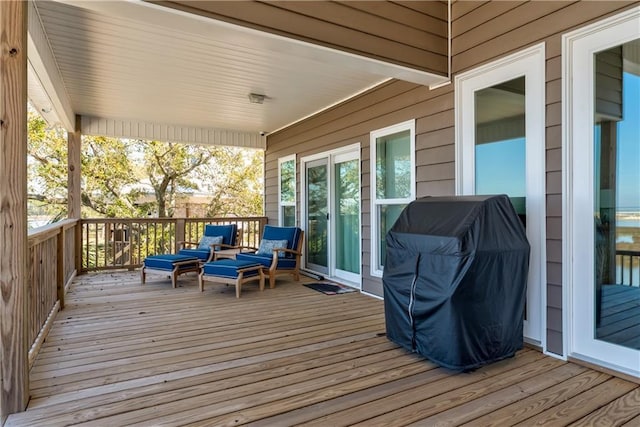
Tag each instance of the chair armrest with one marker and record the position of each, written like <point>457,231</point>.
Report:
<point>183,244</point>
<point>276,255</point>
<point>290,251</point>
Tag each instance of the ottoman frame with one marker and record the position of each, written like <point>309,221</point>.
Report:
<point>176,265</point>
<point>238,281</point>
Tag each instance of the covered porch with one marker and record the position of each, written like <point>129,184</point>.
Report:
<point>125,354</point>
<point>168,71</point>
<point>118,353</point>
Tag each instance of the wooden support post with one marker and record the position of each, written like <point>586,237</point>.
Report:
<point>608,197</point>
<point>14,363</point>
<point>74,190</point>
<point>180,233</point>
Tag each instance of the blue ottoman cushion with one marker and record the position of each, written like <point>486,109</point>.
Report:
<point>228,268</point>
<point>165,262</point>
<point>198,253</point>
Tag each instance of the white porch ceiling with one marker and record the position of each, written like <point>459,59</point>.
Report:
<point>145,65</point>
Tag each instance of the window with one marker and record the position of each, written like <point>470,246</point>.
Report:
<point>287,191</point>
<point>392,183</point>
<point>500,149</point>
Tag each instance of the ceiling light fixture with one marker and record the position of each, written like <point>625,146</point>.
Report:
<point>256,98</point>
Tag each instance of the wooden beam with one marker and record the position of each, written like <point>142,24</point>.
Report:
<point>74,142</point>
<point>74,190</point>
<point>45,71</point>
<point>14,392</point>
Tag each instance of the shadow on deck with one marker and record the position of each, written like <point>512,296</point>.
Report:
<point>125,354</point>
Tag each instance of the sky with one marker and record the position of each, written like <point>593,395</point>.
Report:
<point>500,165</point>
<point>629,145</point>
<point>500,168</point>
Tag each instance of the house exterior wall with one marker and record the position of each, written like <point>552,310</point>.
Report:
<point>482,32</point>
<point>407,33</point>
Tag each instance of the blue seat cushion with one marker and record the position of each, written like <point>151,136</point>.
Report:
<point>228,232</point>
<point>229,268</point>
<point>265,260</point>
<point>290,234</point>
<point>166,261</point>
<point>202,254</point>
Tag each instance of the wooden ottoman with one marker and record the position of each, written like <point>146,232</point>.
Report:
<point>231,272</point>
<point>170,264</point>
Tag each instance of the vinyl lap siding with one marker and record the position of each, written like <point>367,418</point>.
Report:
<point>482,31</point>
<point>350,123</point>
<point>486,31</point>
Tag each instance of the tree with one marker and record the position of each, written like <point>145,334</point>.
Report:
<point>235,183</point>
<point>106,173</point>
<point>46,169</point>
<point>170,168</point>
<point>108,185</point>
<point>116,173</point>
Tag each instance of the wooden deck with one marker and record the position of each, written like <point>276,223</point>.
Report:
<point>125,354</point>
<point>620,321</point>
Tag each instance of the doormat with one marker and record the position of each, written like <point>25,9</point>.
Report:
<point>329,288</point>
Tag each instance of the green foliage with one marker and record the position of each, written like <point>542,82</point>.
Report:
<point>108,186</point>
<point>170,168</point>
<point>235,182</point>
<point>132,178</point>
<point>46,169</point>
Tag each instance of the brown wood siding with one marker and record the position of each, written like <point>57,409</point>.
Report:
<point>609,83</point>
<point>351,122</point>
<point>483,31</point>
<point>404,33</point>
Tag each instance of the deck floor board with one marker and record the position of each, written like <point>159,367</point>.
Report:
<point>123,354</point>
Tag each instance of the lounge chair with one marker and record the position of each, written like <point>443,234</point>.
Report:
<point>215,238</point>
<point>279,252</point>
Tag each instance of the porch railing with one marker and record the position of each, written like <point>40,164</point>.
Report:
<point>125,242</point>
<point>103,244</point>
<point>628,265</point>
<point>51,267</point>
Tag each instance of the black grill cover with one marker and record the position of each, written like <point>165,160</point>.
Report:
<point>455,280</point>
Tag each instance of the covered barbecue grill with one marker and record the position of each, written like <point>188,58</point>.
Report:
<point>455,280</point>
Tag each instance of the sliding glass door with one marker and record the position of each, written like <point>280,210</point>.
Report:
<point>346,227</point>
<point>332,214</point>
<point>317,221</point>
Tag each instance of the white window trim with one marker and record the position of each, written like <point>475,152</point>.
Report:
<point>409,125</point>
<point>529,62</point>
<point>578,48</point>
<point>282,160</point>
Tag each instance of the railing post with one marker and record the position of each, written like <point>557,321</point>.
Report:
<point>180,233</point>
<point>78,246</point>
<point>60,266</point>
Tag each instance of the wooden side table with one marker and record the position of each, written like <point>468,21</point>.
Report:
<point>225,254</point>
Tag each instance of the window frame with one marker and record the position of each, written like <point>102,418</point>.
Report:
<point>410,125</point>
<point>578,231</point>
<point>282,204</point>
<point>528,62</point>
